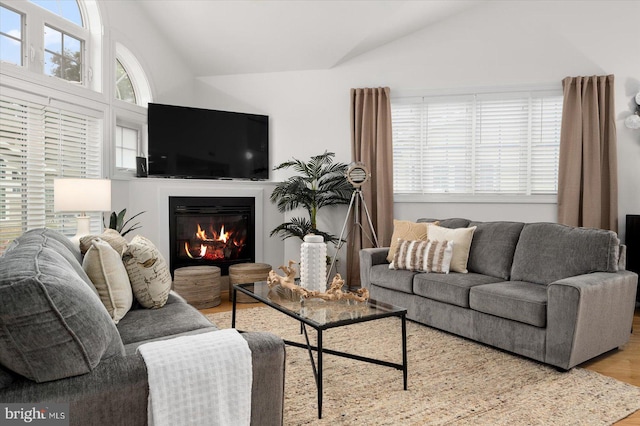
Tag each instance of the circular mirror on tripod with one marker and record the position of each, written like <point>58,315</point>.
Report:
<point>358,174</point>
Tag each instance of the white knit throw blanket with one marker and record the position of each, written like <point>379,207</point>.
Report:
<point>204,379</point>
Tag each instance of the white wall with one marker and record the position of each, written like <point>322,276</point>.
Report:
<point>169,76</point>
<point>170,80</point>
<point>494,44</point>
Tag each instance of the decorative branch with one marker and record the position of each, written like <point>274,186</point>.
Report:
<point>333,293</point>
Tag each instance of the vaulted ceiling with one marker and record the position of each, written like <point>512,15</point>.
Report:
<point>257,36</point>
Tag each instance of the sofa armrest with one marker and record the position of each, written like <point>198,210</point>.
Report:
<point>267,390</point>
<point>116,391</point>
<point>368,258</point>
<point>588,315</point>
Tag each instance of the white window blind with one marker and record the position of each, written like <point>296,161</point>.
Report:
<point>38,143</point>
<point>477,144</point>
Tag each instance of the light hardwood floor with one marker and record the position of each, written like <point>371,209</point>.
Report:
<point>622,364</point>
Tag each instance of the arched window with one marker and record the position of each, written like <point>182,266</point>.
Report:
<point>130,76</point>
<point>124,86</point>
<point>131,87</point>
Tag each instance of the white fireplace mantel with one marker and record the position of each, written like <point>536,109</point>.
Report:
<point>152,196</point>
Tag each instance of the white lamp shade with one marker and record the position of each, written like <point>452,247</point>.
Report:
<point>81,195</point>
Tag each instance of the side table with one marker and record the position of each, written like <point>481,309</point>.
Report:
<point>246,273</point>
<point>199,285</point>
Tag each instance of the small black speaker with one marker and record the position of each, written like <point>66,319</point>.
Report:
<point>632,240</point>
<point>141,166</point>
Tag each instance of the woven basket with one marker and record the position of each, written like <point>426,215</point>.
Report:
<point>243,273</point>
<point>199,285</point>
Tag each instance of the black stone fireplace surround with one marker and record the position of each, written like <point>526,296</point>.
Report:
<point>217,231</point>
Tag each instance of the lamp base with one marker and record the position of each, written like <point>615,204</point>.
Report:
<point>83,228</point>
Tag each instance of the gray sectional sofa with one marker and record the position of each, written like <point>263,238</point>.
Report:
<point>553,293</point>
<point>59,344</point>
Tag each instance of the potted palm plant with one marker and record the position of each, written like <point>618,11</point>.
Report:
<point>319,183</point>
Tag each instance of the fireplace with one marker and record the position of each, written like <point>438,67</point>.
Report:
<point>218,231</point>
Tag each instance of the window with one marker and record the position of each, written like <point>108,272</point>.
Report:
<point>124,86</point>
<point>43,139</point>
<point>68,9</point>
<point>57,38</point>
<point>126,146</point>
<point>132,94</point>
<point>10,36</point>
<point>62,55</point>
<point>477,145</point>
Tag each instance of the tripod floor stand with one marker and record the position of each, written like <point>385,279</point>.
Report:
<point>356,200</point>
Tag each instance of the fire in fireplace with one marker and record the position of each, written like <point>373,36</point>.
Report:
<point>218,245</point>
<point>215,231</point>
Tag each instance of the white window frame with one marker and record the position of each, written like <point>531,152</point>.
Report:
<point>413,96</point>
<point>22,37</point>
<point>126,114</point>
<point>132,117</point>
<point>32,69</point>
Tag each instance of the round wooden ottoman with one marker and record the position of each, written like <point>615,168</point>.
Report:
<point>242,273</point>
<point>199,285</point>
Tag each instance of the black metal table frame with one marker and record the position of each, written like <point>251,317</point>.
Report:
<point>319,349</point>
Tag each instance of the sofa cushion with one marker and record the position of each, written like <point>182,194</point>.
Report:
<point>406,230</point>
<point>515,300</point>
<point>492,248</point>
<point>175,317</point>
<point>111,236</point>
<point>400,280</point>
<point>423,256</point>
<point>148,272</point>
<point>43,237</point>
<point>461,238</point>
<point>452,288</point>
<point>38,235</point>
<point>105,268</point>
<point>52,325</point>
<point>547,252</point>
<point>452,223</point>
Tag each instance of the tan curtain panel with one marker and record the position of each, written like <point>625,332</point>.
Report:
<point>371,144</point>
<point>588,170</point>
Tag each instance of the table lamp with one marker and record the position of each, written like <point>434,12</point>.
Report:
<point>81,195</point>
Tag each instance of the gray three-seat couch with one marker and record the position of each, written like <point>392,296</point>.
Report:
<point>553,293</point>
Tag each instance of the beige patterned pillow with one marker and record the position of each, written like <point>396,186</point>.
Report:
<point>111,236</point>
<point>104,267</point>
<point>409,231</point>
<point>423,256</point>
<point>461,238</point>
<point>148,272</point>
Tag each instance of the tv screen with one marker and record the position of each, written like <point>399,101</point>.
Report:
<point>200,143</point>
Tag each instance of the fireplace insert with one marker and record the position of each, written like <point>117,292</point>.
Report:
<point>218,231</point>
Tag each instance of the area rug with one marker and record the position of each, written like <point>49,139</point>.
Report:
<point>451,380</point>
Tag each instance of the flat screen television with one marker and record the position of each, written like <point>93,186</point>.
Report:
<point>186,142</point>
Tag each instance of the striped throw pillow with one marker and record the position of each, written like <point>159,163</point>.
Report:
<point>423,256</point>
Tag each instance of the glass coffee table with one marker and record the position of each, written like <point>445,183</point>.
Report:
<point>322,315</point>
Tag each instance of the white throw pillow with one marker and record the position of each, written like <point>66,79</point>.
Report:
<point>104,267</point>
<point>423,256</point>
<point>148,272</point>
<point>111,236</point>
<point>461,238</point>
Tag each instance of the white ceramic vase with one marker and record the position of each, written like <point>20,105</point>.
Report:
<point>313,263</point>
